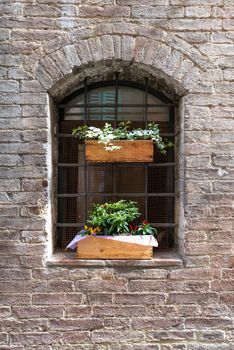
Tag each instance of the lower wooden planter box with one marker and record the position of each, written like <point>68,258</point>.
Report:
<point>130,151</point>
<point>118,247</point>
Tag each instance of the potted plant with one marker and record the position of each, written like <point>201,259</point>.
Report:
<point>110,233</point>
<point>120,144</point>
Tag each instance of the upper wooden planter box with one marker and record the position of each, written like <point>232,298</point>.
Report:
<point>130,151</point>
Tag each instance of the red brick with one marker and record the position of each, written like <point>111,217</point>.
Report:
<point>60,286</point>
<point>112,335</point>
<point>117,323</point>
<point>22,287</point>
<point>211,323</point>
<point>154,285</point>
<point>32,312</point>
<point>196,286</point>
<point>192,298</point>
<point>100,298</point>
<point>156,323</point>
<point>106,11</point>
<point>79,311</point>
<point>228,274</point>
<point>14,274</point>
<point>222,261</point>
<point>193,274</point>
<point>81,324</point>
<point>74,337</point>
<point>14,299</point>
<point>56,299</point>
<point>171,335</point>
<point>226,286</point>
<point>98,285</point>
<point>118,311</point>
<point>28,339</point>
<point>139,298</point>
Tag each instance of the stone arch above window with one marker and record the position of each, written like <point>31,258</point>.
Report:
<point>163,55</point>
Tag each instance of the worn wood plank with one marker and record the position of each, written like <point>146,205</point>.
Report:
<point>100,248</point>
<point>130,151</point>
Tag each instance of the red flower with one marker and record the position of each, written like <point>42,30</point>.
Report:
<point>145,222</point>
<point>131,228</point>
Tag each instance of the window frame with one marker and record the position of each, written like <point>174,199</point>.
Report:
<point>143,87</point>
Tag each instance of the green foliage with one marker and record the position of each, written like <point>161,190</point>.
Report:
<point>108,134</point>
<point>146,229</point>
<point>112,218</point>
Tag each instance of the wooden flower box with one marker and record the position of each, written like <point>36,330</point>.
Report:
<point>96,247</point>
<point>130,151</point>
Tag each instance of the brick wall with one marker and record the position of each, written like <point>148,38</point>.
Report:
<point>186,46</point>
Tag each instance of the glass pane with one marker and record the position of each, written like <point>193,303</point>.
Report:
<point>131,113</point>
<point>158,114</point>
<point>102,101</point>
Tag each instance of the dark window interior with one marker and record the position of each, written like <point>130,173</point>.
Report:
<point>81,184</point>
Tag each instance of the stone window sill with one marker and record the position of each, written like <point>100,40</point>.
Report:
<point>160,258</point>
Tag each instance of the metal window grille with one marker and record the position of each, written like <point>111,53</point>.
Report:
<point>81,184</point>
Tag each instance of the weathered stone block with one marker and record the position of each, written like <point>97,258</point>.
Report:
<point>107,47</point>
<point>195,24</point>
<point>41,10</point>
<point>98,285</point>
<point>83,52</point>
<point>9,86</point>
<point>56,298</point>
<point>70,53</point>
<point>61,62</point>
<point>10,111</point>
<point>13,9</point>
<point>157,11</point>
<point>127,48</point>
<point>228,24</point>
<point>30,86</point>
<point>106,11</point>
<point>198,11</point>
<point>33,237</point>
<point>139,298</point>
<point>82,324</point>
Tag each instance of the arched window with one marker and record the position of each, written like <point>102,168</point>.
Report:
<point>81,184</point>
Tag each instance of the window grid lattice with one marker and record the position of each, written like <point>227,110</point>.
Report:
<point>81,184</point>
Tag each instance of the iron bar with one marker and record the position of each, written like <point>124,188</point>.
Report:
<point>116,97</point>
<point>162,134</point>
<point>122,165</point>
<point>146,166</point>
<point>77,224</point>
<point>112,105</point>
<point>85,167</point>
<point>103,194</point>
